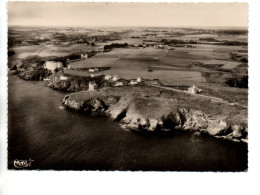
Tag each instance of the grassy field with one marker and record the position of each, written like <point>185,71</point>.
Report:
<point>166,77</point>
<point>171,67</point>
<point>49,50</point>
<point>93,62</point>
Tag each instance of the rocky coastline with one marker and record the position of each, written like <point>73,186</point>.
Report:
<point>150,109</point>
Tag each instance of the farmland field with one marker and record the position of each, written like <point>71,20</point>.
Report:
<point>48,50</point>
<point>171,67</point>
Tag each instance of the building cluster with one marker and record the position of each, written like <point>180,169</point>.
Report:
<point>156,45</point>
<point>122,82</point>
<point>114,80</point>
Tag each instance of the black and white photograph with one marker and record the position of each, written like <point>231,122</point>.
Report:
<point>128,86</point>
<point>129,97</point>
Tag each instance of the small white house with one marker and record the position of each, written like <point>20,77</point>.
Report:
<point>84,56</point>
<point>63,78</point>
<point>119,83</point>
<point>96,69</point>
<point>92,86</point>
<point>194,90</point>
<point>108,77</point>
<point>133,82</point>
<point>115,78</point>
<point>91,70</point>
<point>139,79</point>
<point>52,65</point>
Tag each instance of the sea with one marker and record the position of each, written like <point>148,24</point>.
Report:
<point>54,137</point>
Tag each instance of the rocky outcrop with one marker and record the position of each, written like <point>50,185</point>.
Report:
<point>71,84</point>
<point>34,74</point>
<point>137,111</point>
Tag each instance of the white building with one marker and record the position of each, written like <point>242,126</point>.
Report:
<point>91,70</point>
<point>108,77</point>
<point>63,78</point>
<point>115,78</point>
<point>84,56</point>
<point>194,90</point>
<point>92,86</point>
<point>133,82</point>
<point>139,79</point>
<point>119,83</point>
<point>52,65</point>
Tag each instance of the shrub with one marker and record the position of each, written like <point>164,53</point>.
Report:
<point>239,82</point>
<point>244,60</point>
<point>11,52</point>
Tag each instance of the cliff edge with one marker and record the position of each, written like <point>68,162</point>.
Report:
<point>147,108</point>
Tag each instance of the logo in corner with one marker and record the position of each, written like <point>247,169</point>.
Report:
<point>22,163</point>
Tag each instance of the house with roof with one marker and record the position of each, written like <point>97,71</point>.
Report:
<point>139,79</point>
<point>91,70</point>
<point>133,82</point>
<point>119,83</point>
<point>92,86</point>
<point>194,90</point>
<point>84,56</point>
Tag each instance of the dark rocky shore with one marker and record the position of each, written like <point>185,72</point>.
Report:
<point>150,109</point>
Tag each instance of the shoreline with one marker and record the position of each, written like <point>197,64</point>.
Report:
<point>135,109</point>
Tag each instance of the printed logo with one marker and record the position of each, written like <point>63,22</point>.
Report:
<point>22,163</point>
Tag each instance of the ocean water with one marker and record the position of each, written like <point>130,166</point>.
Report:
<point>56,138</point>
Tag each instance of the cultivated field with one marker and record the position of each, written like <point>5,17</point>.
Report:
<point>49,50</point>
<point>171,67</point>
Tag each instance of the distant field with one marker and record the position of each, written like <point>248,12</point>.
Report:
<point>241,38</point>
<point>77,73</point>
<point>93,62</point>
<point>170,67</point>
<point>166,77</point>
<point>133,63</point>
<point>127,40</point>
<point>49,50</point>
<point>226,64</point>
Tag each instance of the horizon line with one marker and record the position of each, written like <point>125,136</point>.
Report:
<point>20,25</point>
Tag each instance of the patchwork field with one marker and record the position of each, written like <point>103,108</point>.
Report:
<point>171,67</point>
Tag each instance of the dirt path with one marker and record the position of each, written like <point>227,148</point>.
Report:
<point>212,98</point>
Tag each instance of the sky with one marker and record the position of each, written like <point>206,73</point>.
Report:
<point>128,14</point>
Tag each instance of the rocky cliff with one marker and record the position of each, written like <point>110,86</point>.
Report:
<point>150,109</point>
